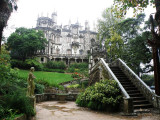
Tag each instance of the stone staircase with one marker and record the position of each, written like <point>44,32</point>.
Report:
<point>139,101</point>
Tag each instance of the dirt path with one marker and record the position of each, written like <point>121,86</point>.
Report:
<point>69,111</point>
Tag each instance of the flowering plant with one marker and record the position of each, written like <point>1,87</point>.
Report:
<point>76,75</point>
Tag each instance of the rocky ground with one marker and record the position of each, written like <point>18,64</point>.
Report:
<point>55,110</point>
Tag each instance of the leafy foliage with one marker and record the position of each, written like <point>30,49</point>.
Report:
<point>27,64</point>
<point>138,52</point>
<point>137,5</point>
<point>55,65</point>
<point>107,22</point>
<point>104,95</point>
<point>116,48</point>
<point>129,28</point>
<point>148,79</point>
<point>81,68</point>
<point>12,91</point>
<point>24,43</point>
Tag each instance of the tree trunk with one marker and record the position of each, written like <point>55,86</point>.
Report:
<point>155,51</point>
<point>1,31</point>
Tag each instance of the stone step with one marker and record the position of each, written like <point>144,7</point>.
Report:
<point>130,88</point>
<point>125,82</point>
<point>136,95</point>
<point>138,102</point>
<point>129,85</point>
<point>133,91</point>
<point>142,106</point>
<point>138,98</point>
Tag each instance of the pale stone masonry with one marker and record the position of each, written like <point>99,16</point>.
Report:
<point>69,43</point>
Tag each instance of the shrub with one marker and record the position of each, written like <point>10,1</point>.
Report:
<point>39,88</point>
<point>104,95</point>
<point>54,70</point>
<point>76,75</point>
<point>55,65</point>
<point>79,65</point>
<point>148,79</point>
<point>18,102</point>
<point>27,64</point>
<point>73,86</point>
<point>33,63</point>
<point>81,68</point>
<point>18,64</point>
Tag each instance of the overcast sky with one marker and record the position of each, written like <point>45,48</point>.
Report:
<point>83,10</point>
<point>73,10</point>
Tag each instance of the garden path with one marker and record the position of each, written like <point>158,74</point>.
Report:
<point>55,110</point>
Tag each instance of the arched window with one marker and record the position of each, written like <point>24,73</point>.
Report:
<point>57,50</point>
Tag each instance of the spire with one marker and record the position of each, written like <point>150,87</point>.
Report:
<point>69,22</point>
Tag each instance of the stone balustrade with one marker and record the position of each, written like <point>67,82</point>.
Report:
<point>145,90</point>
<point>101,71</point>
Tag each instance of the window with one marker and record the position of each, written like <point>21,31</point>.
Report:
<point>68,52</point>
<point>51,50</point>
<point>42,59</point>
<point>57,50</point>
<point>81,40</point>
<point>68,39</point>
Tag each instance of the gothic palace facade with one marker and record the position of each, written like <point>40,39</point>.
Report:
<point>69,43</point>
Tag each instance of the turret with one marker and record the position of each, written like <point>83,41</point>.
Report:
<point>54,17</point>
<point>87,25</point>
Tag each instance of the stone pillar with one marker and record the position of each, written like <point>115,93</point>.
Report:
<point>128,105</point>
<point>68,61</point>
<point>54,59</point>
<point>61,59</point>
<point>100,73</point>
<point>82,60</point>
<point>33,102</point>
<point>75,60</point>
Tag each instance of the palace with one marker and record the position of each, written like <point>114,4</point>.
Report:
<point>69,43</point>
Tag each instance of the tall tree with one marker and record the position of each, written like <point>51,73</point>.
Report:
<point>6,7</point>
<point>129,28</point>
<point>24,43</point>
<point>114,45</point>
<point>123,6</point>
<point>108,20</point>
<point>138,53</point>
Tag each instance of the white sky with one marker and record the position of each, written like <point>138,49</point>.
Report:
<point>83,10</point>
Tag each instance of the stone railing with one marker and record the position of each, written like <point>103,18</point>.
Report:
<point>63,55</point>
<point>106,73</point>
<point>144,89</point>
<point>69,55</point>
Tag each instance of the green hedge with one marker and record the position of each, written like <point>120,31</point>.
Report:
<point>27,64</point>
<point>55,65</point>
<point>104,95</point>
<point>54,70</point>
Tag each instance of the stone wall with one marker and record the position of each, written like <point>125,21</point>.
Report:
<point>55,97</point>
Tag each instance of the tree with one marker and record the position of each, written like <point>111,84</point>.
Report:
<point>116,45</point>
<point>24,43</point>
<point>138,52</point>
<point>108,21</point>
<point>129,28</point>
<point>6,7</point>
<point>123,6</point>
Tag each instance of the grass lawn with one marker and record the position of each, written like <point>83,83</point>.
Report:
<point>50,77</point>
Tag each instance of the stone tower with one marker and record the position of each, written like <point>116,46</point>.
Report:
<point>87,26</point>
<point>54,17</point>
